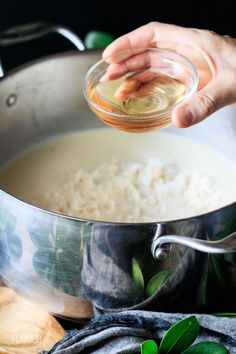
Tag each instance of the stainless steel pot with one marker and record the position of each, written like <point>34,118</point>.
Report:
<point>73,266</point>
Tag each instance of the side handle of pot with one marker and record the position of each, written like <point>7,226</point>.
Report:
<point>161,244</point>
<point>31,31</point>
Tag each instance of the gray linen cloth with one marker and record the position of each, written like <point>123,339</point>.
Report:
<point>123,332</point>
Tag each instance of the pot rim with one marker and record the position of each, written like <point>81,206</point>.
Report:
<point>74,218</point>
<point>33,62</point>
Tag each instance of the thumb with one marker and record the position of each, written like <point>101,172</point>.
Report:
<point>215,95</point>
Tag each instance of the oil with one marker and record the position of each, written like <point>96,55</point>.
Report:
<point>138,100</point>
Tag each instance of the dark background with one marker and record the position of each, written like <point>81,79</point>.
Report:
<point>116,17</point>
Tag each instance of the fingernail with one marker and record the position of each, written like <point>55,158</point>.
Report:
<point>188,117</point>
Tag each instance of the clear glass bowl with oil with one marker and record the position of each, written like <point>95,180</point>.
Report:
<point>136,90</point>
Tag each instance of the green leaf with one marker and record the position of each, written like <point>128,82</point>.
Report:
<point>206,348</point>
<point>180,336</point>
<point>205,285</point>
<point>137,274</point>
<point>218,268</point>
<point>98,39</point>
<point>156,282</point>
<point>149,347</point>
<point>226,314</point>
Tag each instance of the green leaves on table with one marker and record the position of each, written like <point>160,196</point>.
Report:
<point>225,314</point>
<point>218,269</point>
<point>179,339</point>
<point>206,348</point>
<point>154,284</point>
<point>97,39</point>
<point>137,275</point>
<point>180,336</point>
<point>149,347</point>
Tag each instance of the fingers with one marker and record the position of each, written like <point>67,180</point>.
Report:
<point>143,37</point>
<point>149,58</point>
<point>217,94</point>
<point>138,85</point>
<point>146,82</point>
<point>205,49</point>
<point>136,62</point>
<point>152,35</point>
<point>127,88</point>
<point>187,41</point>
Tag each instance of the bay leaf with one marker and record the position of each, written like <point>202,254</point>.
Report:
<point>137,275</point>
<point>206,348</point>
<point>156,282</point>
<point>149,347</point>
<point>180,336</point>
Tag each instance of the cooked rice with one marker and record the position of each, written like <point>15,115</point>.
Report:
<point>136,192</point>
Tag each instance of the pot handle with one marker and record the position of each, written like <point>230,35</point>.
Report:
<point>31,31</point>
<point>161,244</point>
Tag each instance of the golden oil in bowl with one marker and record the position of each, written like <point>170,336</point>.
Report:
<point>140,100</point>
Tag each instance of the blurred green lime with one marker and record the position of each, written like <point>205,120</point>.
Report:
<point>98,39</point>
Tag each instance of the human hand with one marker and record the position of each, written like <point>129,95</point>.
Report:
<point>213,55</point>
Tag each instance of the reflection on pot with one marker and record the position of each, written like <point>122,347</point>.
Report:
<point>67,264</point>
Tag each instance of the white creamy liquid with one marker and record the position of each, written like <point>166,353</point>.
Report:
<point>42,172</point>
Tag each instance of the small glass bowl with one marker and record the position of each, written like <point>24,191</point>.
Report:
<point>136,90</point>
